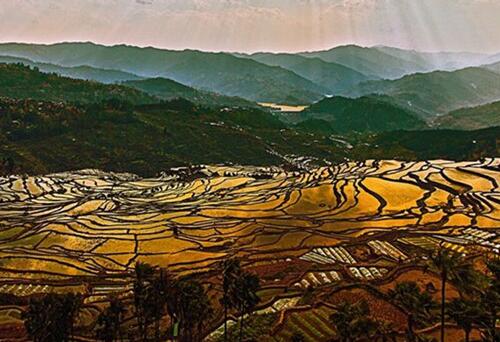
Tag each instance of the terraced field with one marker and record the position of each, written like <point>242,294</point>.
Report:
<point>83,231</point>
<point>90,223</point>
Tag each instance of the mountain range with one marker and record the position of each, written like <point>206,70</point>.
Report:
<point>142,110</point>
<point>284,78</point>
<point>217,72</point>
<point>51,123</point>
<point>437,92</point>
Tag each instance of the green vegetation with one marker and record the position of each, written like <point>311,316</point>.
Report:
<point>365,114</point>
<point>166,89</point>
<point>332,76</point>
<point>428,144</point>
<point>82,72</point>
<point>438,92</point>
<point>21,82</point>
<point>471,118</point>
<point>41,137</point>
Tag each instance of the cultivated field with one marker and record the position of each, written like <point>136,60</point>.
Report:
<point>83,231</point>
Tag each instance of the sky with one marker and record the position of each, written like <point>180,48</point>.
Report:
<point>257,25</point>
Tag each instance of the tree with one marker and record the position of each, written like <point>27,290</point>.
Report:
<point>416,302</point>
<point>465,313</point>
<point>352,321</point>
<point>51,317</point>
<point>231,271</point>
<point>490,301</point>
<point>159,295</point>
<point>193,307</point>
<point>247,286</point>
<point>449,265</point>
<point>110,320</point>
<point>142,294</point>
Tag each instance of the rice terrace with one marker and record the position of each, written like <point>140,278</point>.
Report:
<point>249,171</point>
<point>326,228</point>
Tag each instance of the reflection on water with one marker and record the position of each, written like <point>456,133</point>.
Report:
<point>283,107</point>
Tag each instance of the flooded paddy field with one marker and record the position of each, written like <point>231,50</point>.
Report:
<point>364,223</point>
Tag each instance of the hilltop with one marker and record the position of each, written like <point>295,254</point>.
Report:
<point>167,89</point>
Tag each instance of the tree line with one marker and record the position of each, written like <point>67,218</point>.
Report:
<point>159,299</point>
<point>165,306</point>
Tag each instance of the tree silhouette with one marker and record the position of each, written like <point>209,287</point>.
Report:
<point>490,301</point>
<point>418,303</point>
<point>51,317</point>
<point>465,313</point>
<point>297,337</point>
<point>160,297</point>
<point>231,272</point>
<point>193,307</point>
<point>247,285</point>
<point>110,320</point>
<point>449,265</point>
<point>144,274</point>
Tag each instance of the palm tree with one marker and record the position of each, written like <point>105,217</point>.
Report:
<point>416,302</point>
<point>490,300</point>
<point>231,271</point>
<point>142,291</point>
<point>352,321</point>
<point>51,318</point>
<point>194,309</point>
<point>246,299</point>
<point>449,265</point>
<point>465,313</point>
<point>110,320</point>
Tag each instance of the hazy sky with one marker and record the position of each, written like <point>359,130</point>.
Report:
<point>251,25</point>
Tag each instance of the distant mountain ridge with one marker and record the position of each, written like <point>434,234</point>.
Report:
<point>471,118</point>
<point>22,82</point>
<point>82,72</point>
<point>218,72</point>
<point>438,92</point>
<point>167,89</point>
<point>297,79</point>
<point>392,63</point>
<point>335,77</point>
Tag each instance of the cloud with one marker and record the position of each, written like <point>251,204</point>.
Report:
<point>250,25</point>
